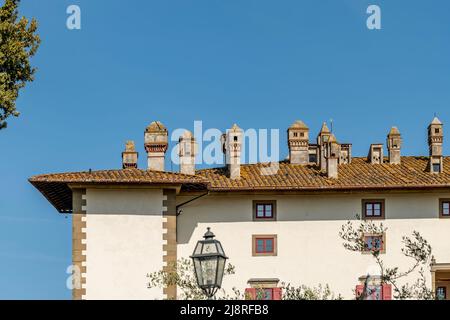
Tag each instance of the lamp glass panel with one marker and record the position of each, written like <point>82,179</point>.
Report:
<point>209,247</point>
<point>209,271</point>
<point>198,248</point>
<point>219,248</point>
<point>220,270</point>
<point>198,271</point>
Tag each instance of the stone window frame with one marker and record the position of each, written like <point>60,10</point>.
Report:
<point>264,236</point>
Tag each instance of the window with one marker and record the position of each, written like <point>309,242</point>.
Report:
<point>373,209</point>
<point>444,208</point>
<point>302,134</point>
<point>441,293</point>
<point>374,292</point>
<point>264,245</point>
<point>263,293</point>
<point>295,134</point>
<point>312,158</point>
<point>264,210</point>
<point>436,130</point>
<point>235,138</point>
<point>374,242</point>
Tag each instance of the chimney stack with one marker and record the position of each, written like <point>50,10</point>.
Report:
<point>298,142</point>
<point>345,153</point>
<point>187,152</point>
<point>435,140</point>
<point>129,156</point>
<point>332,158</point>
<point>156,143</point>
<point>376,153</point>
<point>322,142</point>
<point>232,146</point>
<point>394,142</point>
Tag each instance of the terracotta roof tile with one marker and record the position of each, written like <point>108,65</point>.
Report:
<point>118,176</point>
<point>359,174</point>
<point>412,173</point>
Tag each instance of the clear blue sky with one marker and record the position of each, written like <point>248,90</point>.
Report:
<point>260,63</point>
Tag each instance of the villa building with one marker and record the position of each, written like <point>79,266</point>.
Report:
<point>278,227</point>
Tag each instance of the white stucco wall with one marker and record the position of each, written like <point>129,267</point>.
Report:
<point>123,242</point>
<point>309,248</point>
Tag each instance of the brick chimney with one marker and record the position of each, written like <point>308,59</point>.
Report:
<point>187,152</point>
<point>129,156</point>
<point>298,143</point>
<point>435,140</point>
<point>156,143</point>
<point>394,142</point>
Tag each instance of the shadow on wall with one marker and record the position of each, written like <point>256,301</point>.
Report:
<point>296,208</point>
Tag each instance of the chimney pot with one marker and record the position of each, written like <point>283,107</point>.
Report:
<point>187,152</point>
<point>376,153</point>
<point>129,156</point>
<point>156,143</point>
<point>298,143</point>
<point>232,145</point>
<point>394,142</point>
<point>435,141</point>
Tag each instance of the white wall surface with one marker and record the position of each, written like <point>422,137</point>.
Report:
<point>124,243</point>
<point>309,248</point>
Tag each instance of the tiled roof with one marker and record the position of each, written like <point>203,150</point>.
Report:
<point>118,176</point>
<point>412,173</point>
<point>55,187</point>
<point>359,174</point>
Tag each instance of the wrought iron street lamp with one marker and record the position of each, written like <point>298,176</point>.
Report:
<point>209,264</point>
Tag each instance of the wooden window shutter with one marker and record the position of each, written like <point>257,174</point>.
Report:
<point>387,292</point>
<point>277,293</point>
<point>250,294</point>
<point>359,290</point>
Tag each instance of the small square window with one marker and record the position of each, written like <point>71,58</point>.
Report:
<point>264,245</point>
<point>436,130</point>
<point>295,134</point>
<point>444,208</point>
<point>264,210</point>
<point>302,134</point>
<point>373,209</point>
<point>312,158</point>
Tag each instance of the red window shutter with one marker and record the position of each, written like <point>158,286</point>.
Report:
<point>250,294</point>
<point>277,293</point>
<point>359,290</point>
<point>387,292</point>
